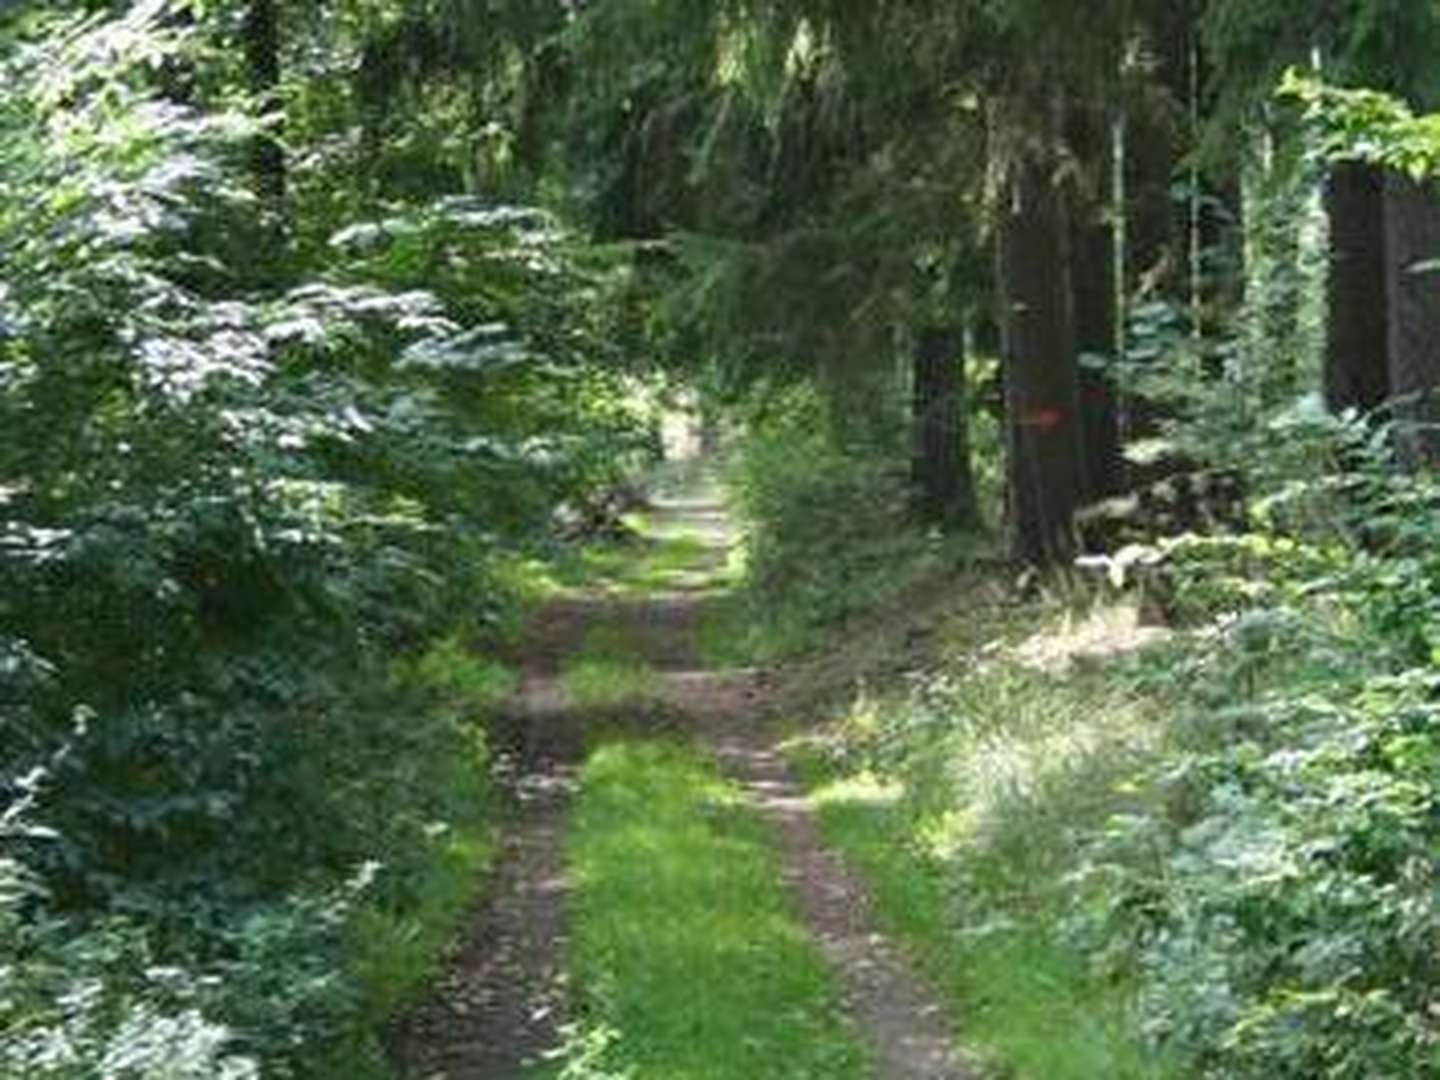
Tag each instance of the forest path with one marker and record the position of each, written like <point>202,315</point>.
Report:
<point>500,1009</point>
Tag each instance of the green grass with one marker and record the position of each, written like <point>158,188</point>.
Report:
<point>1026,1005</point>
<point>607,683</point>
<point>652,563</point>
<point>723,636</point>
<point>395,955</point>
<point>689,962</point>
<point>475,684</point>
<point>608,672</point>
<point>958,812</point>
<point>398,940</point>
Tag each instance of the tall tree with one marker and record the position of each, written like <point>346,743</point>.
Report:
<point>940,462</point>
<point>1385,44</point>
<point>1412,239</point>
<point>1096,306</point>
<point>1356,370</point>
<point>1046,472</point>
<point>1055,61</point>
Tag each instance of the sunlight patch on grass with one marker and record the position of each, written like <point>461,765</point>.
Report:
<point>1015,998</point>
<point>863,789</point>
<point>607,683</point>
<point>659,563</point>
<point>956,799</point>
<point>685,949</point>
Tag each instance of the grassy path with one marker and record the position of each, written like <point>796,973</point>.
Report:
<point>673,913</point>
<point>689,958</point>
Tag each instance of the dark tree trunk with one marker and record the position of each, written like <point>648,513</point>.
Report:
<point>1221,226</point>
<point>940,463</point>
<point>548,83</point>
<point>1356,372</point>
<point>1045,461</point>
<point>1412,239</point>
<point>261,38</point>
<point>1095,307</point>
<point>1092,263</point>
<point>1157,140</point>
<point>1154,245</point>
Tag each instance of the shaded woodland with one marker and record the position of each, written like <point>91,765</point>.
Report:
<point>330,330</point>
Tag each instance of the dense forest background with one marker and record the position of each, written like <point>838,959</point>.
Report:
<point>322,324</point>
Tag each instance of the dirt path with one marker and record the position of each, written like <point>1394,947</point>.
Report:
<point>896,1013</point>
<point>500,1007</point>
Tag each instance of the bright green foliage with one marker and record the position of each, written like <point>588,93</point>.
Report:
<point>826,532</point>
<point>1228,838</point>
<point>689,960</point>
<point>239,494</point>
<point>1367,125</point>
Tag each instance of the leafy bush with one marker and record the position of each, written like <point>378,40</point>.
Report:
<point>80,1002</point>
<point>243,490</point>
<point>1235,832</point>
<point>827,531</point>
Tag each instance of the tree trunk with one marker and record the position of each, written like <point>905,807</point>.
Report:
<point>1356,374</point>
<point>1045,459</point>
<point>1220,230</point>
<point>1412,239</point>
<point>1095,304</point>
<point>1095,343</point>
<point>940,463</point>
<point>261,38</point>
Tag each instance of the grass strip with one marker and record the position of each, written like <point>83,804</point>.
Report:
<point>689,960</point>
<point>1017,998</point>
<point>606,683</point>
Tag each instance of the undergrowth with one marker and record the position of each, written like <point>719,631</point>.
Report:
<point>827,532</point>
<point>962,797</point>
<point>1204,852</point>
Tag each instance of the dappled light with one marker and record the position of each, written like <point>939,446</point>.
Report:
<point>698,540</point>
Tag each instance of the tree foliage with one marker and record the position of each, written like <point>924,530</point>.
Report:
<point>314,317</point>
<point>232,496</point>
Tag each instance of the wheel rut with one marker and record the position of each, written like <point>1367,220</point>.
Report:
<point>895,1012</point>
<point>500,1008</point>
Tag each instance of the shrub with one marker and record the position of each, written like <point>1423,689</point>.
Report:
<point>827,532</point>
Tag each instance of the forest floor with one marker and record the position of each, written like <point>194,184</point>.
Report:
<point>546,982</point>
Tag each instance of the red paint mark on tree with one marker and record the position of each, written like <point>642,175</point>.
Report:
<point>1046,417</point>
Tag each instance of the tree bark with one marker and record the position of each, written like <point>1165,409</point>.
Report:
<point>940,464</point>
<point>1045,468</point>
<point>1356,371</point>
<point>1412,239</point>
<point>1095,304</point>
<point>1091,273</point>
<point>261,39</point>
